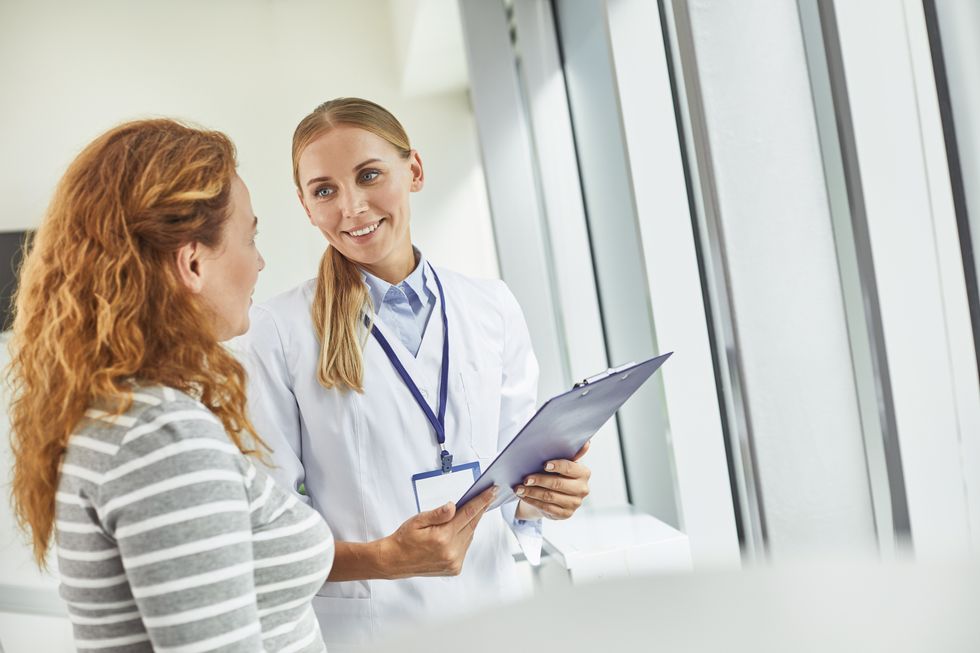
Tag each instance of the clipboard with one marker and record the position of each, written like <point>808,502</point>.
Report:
<point>561,427</point>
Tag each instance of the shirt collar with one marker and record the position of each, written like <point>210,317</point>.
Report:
<point>416,282</point>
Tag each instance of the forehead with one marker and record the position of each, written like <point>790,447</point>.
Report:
<point>341,148</point>
<point>241,204</point>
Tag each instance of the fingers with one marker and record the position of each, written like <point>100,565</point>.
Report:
<point>440,515</point>
<point>473,511</point>
<point>557,471</point>
<point>560,493</point>
<point>466,533</point>
<point>551,510</point>
<point>561,484</point>
<point>553,498</point>
<point>567,468</point>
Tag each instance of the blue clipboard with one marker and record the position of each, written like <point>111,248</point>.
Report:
<point>561,427</point>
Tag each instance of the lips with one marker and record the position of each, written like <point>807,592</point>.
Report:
<point>364,231</point>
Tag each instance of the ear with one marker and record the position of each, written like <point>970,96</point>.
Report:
<point>189,267</point>
<point>418,173</point>
<point>299,194</point>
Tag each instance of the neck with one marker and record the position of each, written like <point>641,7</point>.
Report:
<point>395,268</point>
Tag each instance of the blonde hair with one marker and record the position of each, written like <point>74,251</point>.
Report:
<point>100,303</point>
<point>340,296</point>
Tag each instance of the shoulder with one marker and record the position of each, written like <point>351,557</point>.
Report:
<point>284,307</point>
<point>482,296</point>
<point>297,297</point>
<point>274,323</point>
<point>150,404</point>
<point>174,434</point>
<point>491,317</point>
<point>492,293</point>
<point>158,417</point>
<point>163,415</point>
<point>176,453</point>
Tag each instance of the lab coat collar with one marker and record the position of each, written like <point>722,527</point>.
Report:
<point>423,366</point>
<point>417,282</point>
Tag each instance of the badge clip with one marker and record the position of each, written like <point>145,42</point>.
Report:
<point>447,461</point>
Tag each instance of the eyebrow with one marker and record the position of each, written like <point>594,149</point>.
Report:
<point>317,180</point>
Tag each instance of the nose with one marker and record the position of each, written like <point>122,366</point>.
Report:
<point>354,204</point>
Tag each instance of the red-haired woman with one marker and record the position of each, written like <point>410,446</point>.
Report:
<point>129,422</point>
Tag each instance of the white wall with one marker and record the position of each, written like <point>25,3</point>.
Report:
<point>251,68</point>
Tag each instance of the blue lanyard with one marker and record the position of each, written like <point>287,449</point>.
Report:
<point>438,423</point>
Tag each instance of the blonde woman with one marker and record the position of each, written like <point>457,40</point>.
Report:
<point>385,382</point>
<point>129,423</point>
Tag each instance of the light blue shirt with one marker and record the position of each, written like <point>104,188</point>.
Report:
<point>405,307</point>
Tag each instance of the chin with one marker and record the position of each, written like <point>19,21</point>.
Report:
<point>234,331</point>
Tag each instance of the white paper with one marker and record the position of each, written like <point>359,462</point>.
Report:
<point>438,490</point>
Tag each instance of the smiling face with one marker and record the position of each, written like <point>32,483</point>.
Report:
<point>355,188</point>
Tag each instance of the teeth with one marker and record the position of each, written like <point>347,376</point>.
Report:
<point>366,230</point>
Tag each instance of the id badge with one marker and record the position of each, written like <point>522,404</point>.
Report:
<point>434,489</point>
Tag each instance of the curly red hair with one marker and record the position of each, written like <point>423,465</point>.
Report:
<point>100,303</point>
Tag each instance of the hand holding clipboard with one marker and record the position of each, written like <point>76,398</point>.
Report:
<point>561,427</point>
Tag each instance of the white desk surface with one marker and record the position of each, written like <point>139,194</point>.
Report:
<point>616,542</point>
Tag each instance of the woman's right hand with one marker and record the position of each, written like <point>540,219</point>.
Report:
<point>435,542</point>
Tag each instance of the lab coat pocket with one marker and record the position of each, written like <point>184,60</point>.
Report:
<point>482,390</point>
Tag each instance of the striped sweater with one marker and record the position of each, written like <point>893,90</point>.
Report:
<point>169,539</point>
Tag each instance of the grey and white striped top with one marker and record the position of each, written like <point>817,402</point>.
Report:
<point>169,539</point>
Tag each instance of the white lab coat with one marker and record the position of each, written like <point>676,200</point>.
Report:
<point>356,453</point>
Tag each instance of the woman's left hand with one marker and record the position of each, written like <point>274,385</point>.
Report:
<point>557,492</point>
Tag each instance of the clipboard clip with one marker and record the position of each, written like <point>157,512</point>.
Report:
<point>602,375</point>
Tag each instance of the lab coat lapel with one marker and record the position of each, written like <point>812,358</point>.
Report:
<point>425,367</point>
<point>429,359</point>
<point>431,347</point>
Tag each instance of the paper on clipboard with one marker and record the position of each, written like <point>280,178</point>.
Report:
<point>561,427</point>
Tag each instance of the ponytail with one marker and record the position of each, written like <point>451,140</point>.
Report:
<point>338,304</point>
<point>340,295</point>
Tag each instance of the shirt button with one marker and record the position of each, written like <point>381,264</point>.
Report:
<point>425,393</point>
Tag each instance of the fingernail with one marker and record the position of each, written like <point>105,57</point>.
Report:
<point>549,467</point>
<point>529,481</point>
<point>520,491</point>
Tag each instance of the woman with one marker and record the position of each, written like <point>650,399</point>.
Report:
<point>384,375</point>
<point>129,420</point>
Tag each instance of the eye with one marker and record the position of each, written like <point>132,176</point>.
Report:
<point>370,175</point>
<point>324,191</point>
